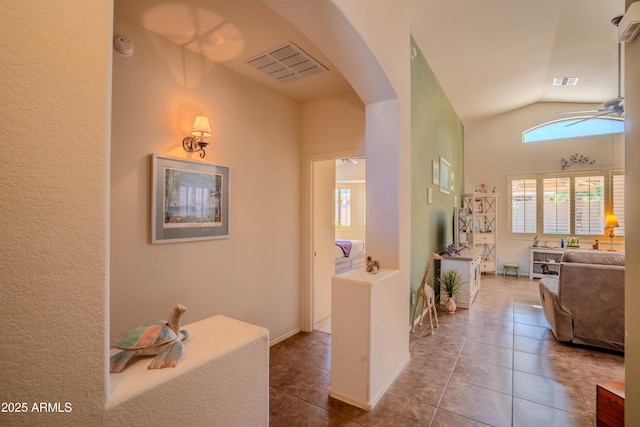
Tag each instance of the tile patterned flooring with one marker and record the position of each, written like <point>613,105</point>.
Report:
<point>496,364</point>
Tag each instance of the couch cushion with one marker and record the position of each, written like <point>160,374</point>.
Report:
<point>558,318</point>
<point>594,257</point>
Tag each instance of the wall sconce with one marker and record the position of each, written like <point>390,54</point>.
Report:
<point>611,222</point>
<point>200,130</point>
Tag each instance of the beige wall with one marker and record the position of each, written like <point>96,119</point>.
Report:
<point>493,149</point>
<point>251,276</point>
<point>54,263</point>
<point>377,66</point>
<point>632,205</point>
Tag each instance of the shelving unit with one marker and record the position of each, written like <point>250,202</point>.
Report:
<point>478,227</point>
<point>544,262</point>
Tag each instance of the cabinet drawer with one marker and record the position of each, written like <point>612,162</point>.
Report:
<point>487,266</point>
<point>483,238</point>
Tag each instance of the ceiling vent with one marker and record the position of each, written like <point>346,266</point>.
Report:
<point>286,63</point>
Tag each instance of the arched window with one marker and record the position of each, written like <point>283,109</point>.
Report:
<point>560,129</point>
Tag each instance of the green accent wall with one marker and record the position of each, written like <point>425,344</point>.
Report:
<point>436,131</point>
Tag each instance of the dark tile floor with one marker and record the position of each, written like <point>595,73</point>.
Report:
<point>496,364</point>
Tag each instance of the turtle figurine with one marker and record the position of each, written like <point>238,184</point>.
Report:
<point>156,337</point>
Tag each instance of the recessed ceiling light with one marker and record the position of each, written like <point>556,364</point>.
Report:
<point>572,81</point>
<point>557,81</point>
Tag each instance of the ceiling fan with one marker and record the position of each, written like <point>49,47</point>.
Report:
<point>614,106</point>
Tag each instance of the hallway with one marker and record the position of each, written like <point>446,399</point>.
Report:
<point>496,364</point>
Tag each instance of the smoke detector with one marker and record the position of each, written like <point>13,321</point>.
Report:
<point>123,45</point>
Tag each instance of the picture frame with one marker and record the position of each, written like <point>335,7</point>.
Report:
<point>189,200</point>
<point>445,176</point>
<point>452,181</point>
<point>435,172</point>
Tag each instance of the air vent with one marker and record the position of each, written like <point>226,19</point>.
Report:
<point>286,63</point>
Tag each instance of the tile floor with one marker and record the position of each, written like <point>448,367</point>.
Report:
<point>496,364</point>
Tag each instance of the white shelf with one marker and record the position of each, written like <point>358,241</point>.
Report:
<point>478,227</point>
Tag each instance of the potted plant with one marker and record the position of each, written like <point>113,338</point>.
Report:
<point>450,282</point>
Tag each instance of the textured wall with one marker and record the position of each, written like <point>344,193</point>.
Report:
<point>632,205</point>
<point>54,138</point>
<point>251,276</point>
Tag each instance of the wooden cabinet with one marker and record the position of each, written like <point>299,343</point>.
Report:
<point>478,227</point>
<point>610,404</point>
<point>544,262</point>
<point>467,264</point>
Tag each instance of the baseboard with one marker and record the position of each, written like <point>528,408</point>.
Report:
<point>369,405</point>
<point>284,337</point>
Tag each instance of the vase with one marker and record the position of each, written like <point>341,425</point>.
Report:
<point>450,306</point>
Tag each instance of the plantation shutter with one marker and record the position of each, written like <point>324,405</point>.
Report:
<point>618,202</point>
<point>523,206</point>
<point>556,205</point>
<point>589,205</point>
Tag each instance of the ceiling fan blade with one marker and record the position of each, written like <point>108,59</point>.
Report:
<point>588,118</point>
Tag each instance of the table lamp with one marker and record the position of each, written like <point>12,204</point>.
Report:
<point>611,222</point>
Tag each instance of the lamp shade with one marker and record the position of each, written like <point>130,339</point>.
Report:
<point>611,221</point>
<point>201,126</point>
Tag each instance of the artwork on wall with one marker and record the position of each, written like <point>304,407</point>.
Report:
<point>435,172</point>
<point>189,200</point>
<point>452,181</point>
<point>445,176</point>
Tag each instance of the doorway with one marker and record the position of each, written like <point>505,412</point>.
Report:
<point>338,228</point>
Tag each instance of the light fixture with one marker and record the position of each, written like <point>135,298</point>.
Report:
<point>611,222</point>
<point>200,130</point>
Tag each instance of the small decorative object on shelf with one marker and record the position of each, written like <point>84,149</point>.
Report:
<point>576,159</point>
<point>573,242</point>
<point>156,337</point>
<point>536,242</point>
<point>562,243</point>
<point>596,245</point>
<point>452,249</point>
<point>373,266</point>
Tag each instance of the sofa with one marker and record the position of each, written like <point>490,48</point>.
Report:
<point>584,304</point>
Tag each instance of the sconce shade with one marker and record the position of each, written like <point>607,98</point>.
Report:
<point>201,127</point>
<point>611,221</point>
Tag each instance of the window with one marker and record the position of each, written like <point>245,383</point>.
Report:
<point>343,206</point>
<point>589,203</point>
<point>617,194</point>
<point>557,205</point>
<point>566,204</point>
<point>565,128</point>
<point>523,206</point>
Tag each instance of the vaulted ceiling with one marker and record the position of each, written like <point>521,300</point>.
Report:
<point>490,56</point>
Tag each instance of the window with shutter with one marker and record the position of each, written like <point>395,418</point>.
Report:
<point>523,206</point>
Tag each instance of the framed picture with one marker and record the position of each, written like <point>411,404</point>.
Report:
<point>445,176</point>
<point>435,172</point>
<point>189,200</point>
<point>452,182</point>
